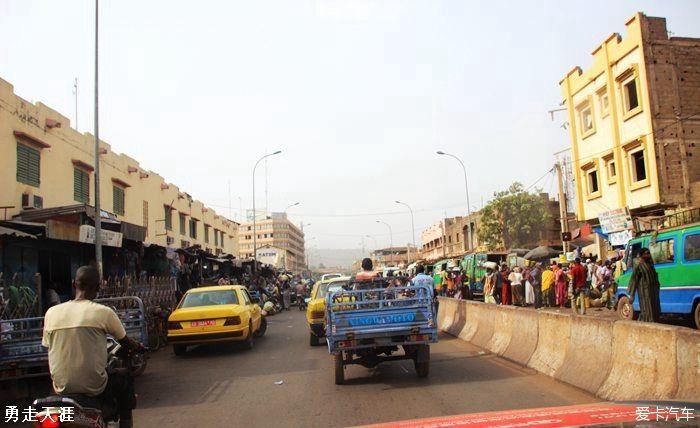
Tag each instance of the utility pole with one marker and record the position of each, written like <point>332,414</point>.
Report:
<point>98,212</point>
<point>563,212</point>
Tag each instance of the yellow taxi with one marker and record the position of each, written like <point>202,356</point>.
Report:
<point>316,309</point>
<point>222,313</point>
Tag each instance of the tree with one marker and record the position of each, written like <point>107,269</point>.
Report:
<point>514,218</point>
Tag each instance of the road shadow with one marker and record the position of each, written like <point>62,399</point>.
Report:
<point>450,363</point>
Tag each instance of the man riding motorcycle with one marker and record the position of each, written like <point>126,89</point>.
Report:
<point>75,334</point>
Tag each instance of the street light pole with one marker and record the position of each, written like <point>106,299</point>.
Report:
<point>98,217</point>
<point>413,228</point>
<point>466,188</point>
<point>293,205</point>
<point>255,215</point>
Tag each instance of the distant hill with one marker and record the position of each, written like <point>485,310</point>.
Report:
<point>334,257</point>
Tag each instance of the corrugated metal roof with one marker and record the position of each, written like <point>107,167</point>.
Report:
<point>13,232</point>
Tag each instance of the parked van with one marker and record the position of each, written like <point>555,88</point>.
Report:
<point>676,255</point>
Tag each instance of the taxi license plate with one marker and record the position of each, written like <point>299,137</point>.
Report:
<point>202,323</point>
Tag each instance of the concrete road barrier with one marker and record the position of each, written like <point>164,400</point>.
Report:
<point>616,360</point>
<point>503,327</point>
<point>588,355</point>
<point>553,335</point>
<point>447,311</point>
<point>485,320</point>
<point>523,339</point>
<point>644,362</point>
<point>472,322</point>
<point>688,364</point>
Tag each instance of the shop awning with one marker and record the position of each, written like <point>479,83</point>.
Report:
<point>71,213</point>
<point>14,232</point>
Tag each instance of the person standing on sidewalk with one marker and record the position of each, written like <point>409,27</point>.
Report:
<point>489,286</point>
<point>560,281</point>
<point>548,286</point>
<point>536,281</point>
<point>505,290</point>
<point>645,283</point>
<point>529,295</point>
<point>516,283</point>
<point>578,277</point>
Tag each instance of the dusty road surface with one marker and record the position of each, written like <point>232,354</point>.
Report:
<point>223,386</point>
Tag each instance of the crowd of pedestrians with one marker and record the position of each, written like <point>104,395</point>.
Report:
<point>538,285</point>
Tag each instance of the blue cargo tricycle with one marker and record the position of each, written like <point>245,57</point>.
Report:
<point>368,322</point>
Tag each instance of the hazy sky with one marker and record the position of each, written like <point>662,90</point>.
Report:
<point>358,94</point>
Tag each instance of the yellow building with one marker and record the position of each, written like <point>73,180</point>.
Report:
<point>633,122</point>
<point>44,163</point>
<point>277,231</point>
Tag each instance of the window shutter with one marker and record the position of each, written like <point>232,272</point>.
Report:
<point>28,165</point>
<point>81,185</point>
<point>168,218</point>
<point>118,199</point>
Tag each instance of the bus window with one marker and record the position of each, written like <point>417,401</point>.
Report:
<point>631,254</point>
<point>663,251</point>
<point>691,248</point>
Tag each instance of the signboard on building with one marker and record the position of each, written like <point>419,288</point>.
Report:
<point>271,256</point>
<point>620,238</point>
<point>259,215</point>
<point>615,220</point>
<point>109,238</point>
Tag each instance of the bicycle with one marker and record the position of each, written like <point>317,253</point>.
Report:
<point>158,327</point>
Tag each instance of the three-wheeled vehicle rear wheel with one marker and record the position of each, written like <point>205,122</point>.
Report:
<point>422,369</point>
<point>313,339</point>
<point>421,361</point>
<point>338,368</point>
<point>179,350</point>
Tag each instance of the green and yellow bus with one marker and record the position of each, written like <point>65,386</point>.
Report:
<point>676,255</point>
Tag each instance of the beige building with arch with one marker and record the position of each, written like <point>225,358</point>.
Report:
<point>44,163</point>
<point>634,122</point>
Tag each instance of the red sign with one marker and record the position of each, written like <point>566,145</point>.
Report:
<point>567,416</point>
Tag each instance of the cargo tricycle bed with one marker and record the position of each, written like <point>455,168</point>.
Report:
<point>369,321</point>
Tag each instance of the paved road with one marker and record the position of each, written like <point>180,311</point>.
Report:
<point>222,386</point>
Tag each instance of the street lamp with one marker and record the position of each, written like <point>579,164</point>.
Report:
<point>413,227</point>
<point>466,187</point>
<point>255,232</point>
<point>293,205</point>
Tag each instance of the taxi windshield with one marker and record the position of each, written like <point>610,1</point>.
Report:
<point>209,298</point>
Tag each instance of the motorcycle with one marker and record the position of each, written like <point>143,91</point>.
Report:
<point>84,411</point>
<point>301,302</point>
